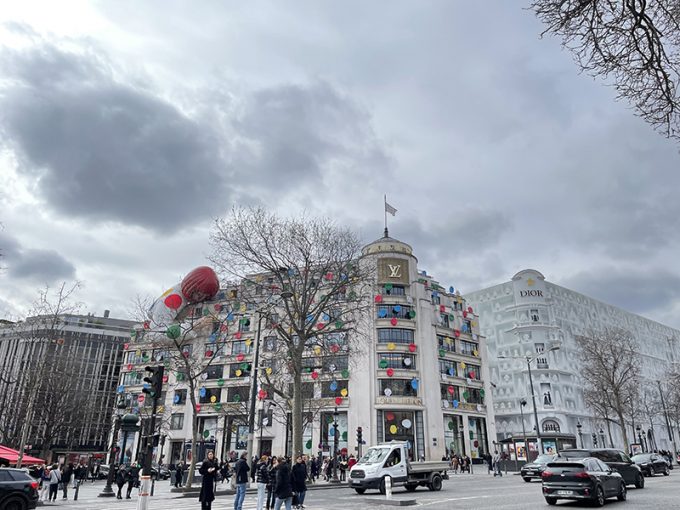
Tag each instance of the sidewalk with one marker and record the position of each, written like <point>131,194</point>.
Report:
<point>223,489</point>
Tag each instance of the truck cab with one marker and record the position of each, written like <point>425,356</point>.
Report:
<point>391,460</point>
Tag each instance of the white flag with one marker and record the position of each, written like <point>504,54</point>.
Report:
<point>390,209</point>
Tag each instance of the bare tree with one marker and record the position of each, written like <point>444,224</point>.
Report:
<point>636,43</point>
<point>315,261</point>
<point>610,368</point>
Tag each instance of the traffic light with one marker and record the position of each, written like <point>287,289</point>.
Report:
<point>594,440</point>
<point>153,382</point>
<point>360,435</point>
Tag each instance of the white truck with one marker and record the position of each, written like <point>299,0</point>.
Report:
<point>391,459</point>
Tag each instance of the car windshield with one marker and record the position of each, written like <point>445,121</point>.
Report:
<point>544,459</point>
<point>574,454</point>
<point>374,455</point>
<point>641,457</point>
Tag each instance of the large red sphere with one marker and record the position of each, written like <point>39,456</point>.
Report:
<point>200,284</point>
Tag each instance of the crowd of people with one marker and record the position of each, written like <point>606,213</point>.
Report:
<point>458,463</point>
<point>55,478</point>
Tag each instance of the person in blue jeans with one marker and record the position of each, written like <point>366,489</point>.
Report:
<point>283,488</point>
<point>241,469</point>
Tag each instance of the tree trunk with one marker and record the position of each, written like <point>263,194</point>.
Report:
<point>297,414</point>
<point>194,434</point>
<point>609,428</point>
<point>626,445</point>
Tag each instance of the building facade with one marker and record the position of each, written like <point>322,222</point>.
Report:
<point>59,376</point>
<point>529,316</point>
<point>421,376</point>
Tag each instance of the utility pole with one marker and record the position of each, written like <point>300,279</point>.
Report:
<point>671,433</point>
<point>539,447</point>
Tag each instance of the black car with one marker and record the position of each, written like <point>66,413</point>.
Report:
<point>586,479</point>
<point>651,463</point>
<point>18,491</point>
<point>535,468</point>
<point>615,459</point>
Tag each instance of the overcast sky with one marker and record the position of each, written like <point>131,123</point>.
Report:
<point>125,127</point>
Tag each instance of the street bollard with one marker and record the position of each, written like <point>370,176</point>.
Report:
<point>153,484</point>
<point>144,488</point>
<point>388,487</point>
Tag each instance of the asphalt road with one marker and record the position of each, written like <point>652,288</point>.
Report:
<point>470,492</point>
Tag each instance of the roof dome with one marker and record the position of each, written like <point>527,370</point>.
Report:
<point>387,244</point>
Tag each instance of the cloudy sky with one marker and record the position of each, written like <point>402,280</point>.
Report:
<point>126,127</point>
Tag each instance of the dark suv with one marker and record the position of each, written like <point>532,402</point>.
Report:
<point>615,459</point>
<point>18,491</point>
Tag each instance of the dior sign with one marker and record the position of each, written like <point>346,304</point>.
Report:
<point>530,293</point>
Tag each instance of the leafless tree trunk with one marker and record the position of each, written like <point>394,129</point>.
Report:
<point>610,368</point>
<point>318,263</point>
<point>636,43</point>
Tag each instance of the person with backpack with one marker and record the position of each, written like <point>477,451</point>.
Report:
<point>55,480</point>
<point>241,469</point>
<point>132,479</point>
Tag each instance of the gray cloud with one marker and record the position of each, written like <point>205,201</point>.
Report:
<point>639,290</point>
<point>37,265</point>
<point>100,149</point>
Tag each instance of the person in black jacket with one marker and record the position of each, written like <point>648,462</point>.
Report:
<point>271,483</point>
<point>179,474</point>
<point>208,472</point>
<point>120,480</point>
<point>283,488</point>
<point>241,469</point>
<point>66,476</point>
<point>262,474</point>
<point>298,478</point>
<point>132,479</point>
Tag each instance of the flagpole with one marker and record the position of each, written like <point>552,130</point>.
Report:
<point>386,231</point>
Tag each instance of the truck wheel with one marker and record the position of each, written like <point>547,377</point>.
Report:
<point>411,487</point>
<point>360,491</point>
<point>436,483</point>
<point>382,486</point>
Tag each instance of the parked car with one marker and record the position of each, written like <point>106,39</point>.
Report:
<point>159,473</point>
<point>103,472</point>
<point>534,469</point>
<point>585,479</point>
<point>615,459</point>
<point>651,463</point>
<point>18,490</point>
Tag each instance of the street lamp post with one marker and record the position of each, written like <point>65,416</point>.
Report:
<point>602,441</point>
<point>335,446</point>
<point>639,435</point>
<point>107,491</point>
<point>522,403</point>
<point>580,433</point>
<point>253,384</point>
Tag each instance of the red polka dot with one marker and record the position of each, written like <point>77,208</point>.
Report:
<point>173,301</point>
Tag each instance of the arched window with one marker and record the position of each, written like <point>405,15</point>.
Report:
<point>551,426</point>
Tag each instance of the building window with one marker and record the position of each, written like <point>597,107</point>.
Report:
<point>448,367</point>
<point>244,325</point>
<point>331,339</point>
<point>132,378</point>
<point>207,398</point>
<point>473,396</point>
<point>471,372</point>
<point>446,343</point>
<point>396,360</point>
<point>395,335</point>
<point>396,290</point>
<point>436,299</point>
<point>466,327</point>
<point>239,370</point>
<point>266,418</point>
<point>469,348</point>
<point>327,392</point>
<point>177,421</point>
<point>214,371</point>
<point>551,426</point>
<point>241,347</point>
<point>335,363</point>
<point>444,320</point>
<point>180,397</point>
<point>398,311</point>
<point>237,393</point>
<point>449,392</point>
<point>398,388</point>
<point>269,343</point>
<point>534,315</point>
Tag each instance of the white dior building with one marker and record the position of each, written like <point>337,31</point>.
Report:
<point>528,316</point>
<point>422,378</point>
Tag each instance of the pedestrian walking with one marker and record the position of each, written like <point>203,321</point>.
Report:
<point>44,483</point>
<point>497,464</point>
<point>489,462</point>
<point>262,470</point>
<point>224,471</point>
<point>298,478</point>
<point>271,483</point>
<point>132,479</point>
<point>66,479</point>
<point>179,473</point>
<point>55,480</point>
<point>283,488</point>
<point>121,478</point>
<point>241,469</point>
<point>209,470</point>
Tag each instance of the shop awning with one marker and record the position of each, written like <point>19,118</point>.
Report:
<point>12,456</point>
